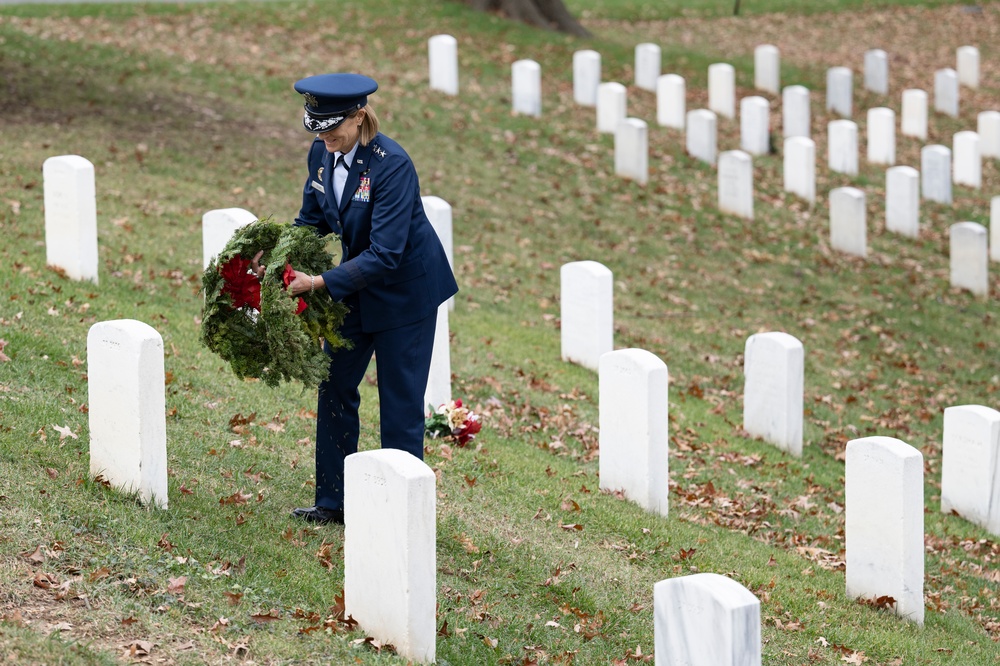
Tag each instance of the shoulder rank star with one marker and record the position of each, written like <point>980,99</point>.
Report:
<point>380,151</point>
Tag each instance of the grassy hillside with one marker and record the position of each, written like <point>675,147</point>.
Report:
<point>187,108</point>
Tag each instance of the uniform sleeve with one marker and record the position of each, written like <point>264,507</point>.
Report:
<point>393,192</point>
<point>311,213</point>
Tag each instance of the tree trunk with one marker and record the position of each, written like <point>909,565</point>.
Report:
<point>549,14</point>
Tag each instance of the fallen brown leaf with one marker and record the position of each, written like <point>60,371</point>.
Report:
<point>45,581</point>
<point>64,432</point>
<point>138,648</point>
<point>176,585</point>
<point>97,575</point>
<point>37,556</point>
<point>269,616</point>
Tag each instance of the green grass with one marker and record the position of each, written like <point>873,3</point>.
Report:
<point>179,125</point>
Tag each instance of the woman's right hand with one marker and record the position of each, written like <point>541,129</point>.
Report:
<point>255,266</point>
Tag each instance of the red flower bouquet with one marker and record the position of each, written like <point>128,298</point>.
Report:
<point>454,421</point>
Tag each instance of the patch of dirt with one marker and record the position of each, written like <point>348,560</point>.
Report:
<point>50,611</point>
<point>45,600</point>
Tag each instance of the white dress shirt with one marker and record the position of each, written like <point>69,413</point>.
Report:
<point>340,172</point>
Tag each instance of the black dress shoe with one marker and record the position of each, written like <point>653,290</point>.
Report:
<point>320,515</point>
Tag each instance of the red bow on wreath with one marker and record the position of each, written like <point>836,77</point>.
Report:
<point>239,284</point>
<point>288,277</point>
<point>243,287</point>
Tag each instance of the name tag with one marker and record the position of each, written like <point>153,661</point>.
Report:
<point>318,187</point>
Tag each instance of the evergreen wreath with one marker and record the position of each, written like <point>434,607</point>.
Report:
<point>254,325</point>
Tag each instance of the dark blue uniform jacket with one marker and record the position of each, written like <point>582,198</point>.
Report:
<point>392,257</point>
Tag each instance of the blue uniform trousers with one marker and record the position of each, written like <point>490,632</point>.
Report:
<point>403,360</point>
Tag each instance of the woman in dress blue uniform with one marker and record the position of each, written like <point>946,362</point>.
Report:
<point>393,275</point>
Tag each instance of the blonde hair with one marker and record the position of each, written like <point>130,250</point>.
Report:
<point>369,125</point>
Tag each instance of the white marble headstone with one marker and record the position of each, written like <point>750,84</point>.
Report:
<point>840,91</point>
<point>438,213</point>
<point>442,53</point>
<point>946,92</point>
<point>736,183</point>
<point>647,66</point>
<point>70,198</point>
<point>970,465</point>
<point>848,227</point>
<point>526,87</point>
<point>705,619</point>
<point>634,428</point>
<point>967,165</point>
<point>587,312</point>
<point>632,150</point>
<point>884,523</point>
<point>795,111</point>
<point>914,114</point>
<point>995,228</point>
<point>988,129</point>
<point>842,146</point>
<point>969,258</point>
<point>671,103</point>
<point>612,106</point>
<point>967,61</point>
<point>390,561</point>
<point>767,68</point>
<point>218,227</point>
<point>755,125</point>
<point>902,201</point>
<point>774,379</point>
<point>722,89</point>
<point>881,130</point>
<point>701,135</point>
<point>128,416</point>
<point>877,71</point>
<point>935,173</point>
<point>438,389</point>
<point>799,166</point>
<point>586,76</point>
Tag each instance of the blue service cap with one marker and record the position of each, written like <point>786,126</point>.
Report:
<point>332,98</point>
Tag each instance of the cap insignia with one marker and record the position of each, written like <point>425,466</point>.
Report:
<point>311,99</point>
